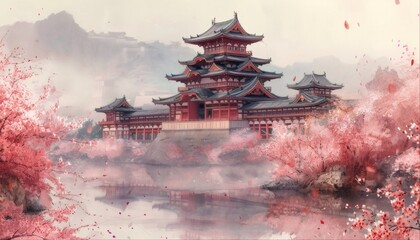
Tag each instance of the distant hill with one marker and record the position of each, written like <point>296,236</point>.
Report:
<point>90,69</point>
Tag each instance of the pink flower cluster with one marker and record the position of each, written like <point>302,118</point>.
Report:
<point>406,218</point>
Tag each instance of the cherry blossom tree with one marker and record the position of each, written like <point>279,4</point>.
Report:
<point>28,127</point>
<point>404,221</point>
<point>358,138</point>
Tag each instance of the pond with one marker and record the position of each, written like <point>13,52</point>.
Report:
<point>125,201</point>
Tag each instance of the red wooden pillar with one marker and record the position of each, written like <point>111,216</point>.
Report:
<point>152,136</point>
<point>266,130</point>
<point>137,136</point>
<point>220,110</point>
<point>228,109</point>
<point>144,133</point>
<point>205,110</point>
<point>259,128</point>
<point>211,110</point>
<point>174,117</point>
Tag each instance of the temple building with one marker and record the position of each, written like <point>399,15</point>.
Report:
<point>224,89</point>
<point>124,121</point>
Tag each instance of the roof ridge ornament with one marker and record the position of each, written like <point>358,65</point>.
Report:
<point>235,15</point>
<point>213,21</point>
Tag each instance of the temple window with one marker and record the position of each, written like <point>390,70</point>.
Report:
<point>235,47</point>
<point>229,46</point>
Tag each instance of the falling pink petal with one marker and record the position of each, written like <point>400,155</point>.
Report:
<point>294,78</point>
<point>412,62</point>
<point>397,2</point>
<point>346,24</point>
<point>322,222</point>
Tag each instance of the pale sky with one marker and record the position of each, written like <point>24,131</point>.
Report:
<point>295,31</point>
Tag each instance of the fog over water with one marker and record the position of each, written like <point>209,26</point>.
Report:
<point>124,201</point>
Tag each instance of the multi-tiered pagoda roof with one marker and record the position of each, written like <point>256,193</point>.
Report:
<point>230,29</point>
<point>241,93</point>
<point>224,57</point>
<point>314,80</point>
<point>122,105</point>
<point>220,71</point>
<point>225,69</point>
<point>119,104</point>
<point>303,99</point>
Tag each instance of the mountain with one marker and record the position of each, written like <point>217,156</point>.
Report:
<point>90,69</point>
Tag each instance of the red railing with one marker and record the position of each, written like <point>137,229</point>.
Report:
<point>202,119</point>
<point>266,114</point>
<point>216,84</point>
<point>134,121</point>
<point>214,124</point>
<point>224,50</point>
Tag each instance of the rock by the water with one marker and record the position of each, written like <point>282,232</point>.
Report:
<point>12,190</point>
<point>284,184</point>
<point>332,180</point>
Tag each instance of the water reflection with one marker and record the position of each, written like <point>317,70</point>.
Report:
<point>139,208</point>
